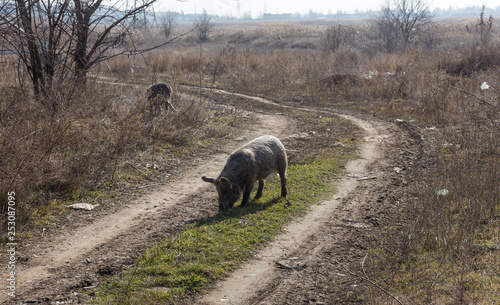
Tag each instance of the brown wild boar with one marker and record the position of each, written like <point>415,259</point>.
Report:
<point>158,95</point>
<point>252,162</point>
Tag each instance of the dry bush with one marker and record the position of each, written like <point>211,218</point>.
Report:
<point>445,249</point>
<point>348,60</point>
<point>338,35</point>
<point>119,65</point>
<point>472,60</point>
<point>9,65</point>
<point>47,156</point>
<point>482,29</point>
<point>343,86</point>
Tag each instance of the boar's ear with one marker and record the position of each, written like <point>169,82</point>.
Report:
<point>209,180</point>
<point>225,183</point>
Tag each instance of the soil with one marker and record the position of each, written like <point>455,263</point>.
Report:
<point>313,262</point>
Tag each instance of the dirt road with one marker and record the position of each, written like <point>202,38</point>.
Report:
<point>78,257</point>
<point>258,279</point>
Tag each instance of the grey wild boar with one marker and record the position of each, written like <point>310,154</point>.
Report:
<point>158,95</point>
<point>252,162</point>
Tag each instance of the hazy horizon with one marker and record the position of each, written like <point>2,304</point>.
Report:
<point>255,8</point>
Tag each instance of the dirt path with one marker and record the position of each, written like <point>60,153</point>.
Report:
<point>319,258</point>
<point>260,276</point>
<point>73,259</point>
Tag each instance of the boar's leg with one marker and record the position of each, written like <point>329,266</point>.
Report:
<point>283,184</point>
<point>246,197</point>
<point>246,193</point>
<point>259,190</point>
<point>281,169</point>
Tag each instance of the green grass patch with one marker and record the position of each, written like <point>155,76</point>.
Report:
<point>208,249</point>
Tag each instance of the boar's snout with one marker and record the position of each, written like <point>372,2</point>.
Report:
<point>227,193</point>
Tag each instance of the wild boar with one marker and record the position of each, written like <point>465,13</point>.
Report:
<point>252,162</point>
<point>158,95</point>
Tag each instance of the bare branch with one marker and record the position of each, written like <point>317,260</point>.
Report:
<point>403,20</point>
<point>366,278</point>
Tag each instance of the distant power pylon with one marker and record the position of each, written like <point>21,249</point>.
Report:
<point>238,4</point>
<point>148,18</point>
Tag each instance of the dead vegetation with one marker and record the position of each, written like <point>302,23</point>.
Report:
<point>95,144</point>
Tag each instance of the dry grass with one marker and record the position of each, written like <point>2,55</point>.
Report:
<point>81,152</point>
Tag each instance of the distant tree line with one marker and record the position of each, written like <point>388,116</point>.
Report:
<point>471,11</point>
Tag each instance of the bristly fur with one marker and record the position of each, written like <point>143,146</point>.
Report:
<point>252,162</point>
<point>158,95</point>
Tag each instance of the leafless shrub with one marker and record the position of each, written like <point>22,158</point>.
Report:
<point>429,36</point>
<point>168,23</point>
<point>348,60</point>
<point>482,28</point>
<point>337,35</point>
<point>471,61</point>
<point>483,108</point>
<point>342,85</point>
<point>225,57</point>
<point>204,26</point>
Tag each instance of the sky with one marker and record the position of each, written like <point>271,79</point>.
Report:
<point>257,7</point>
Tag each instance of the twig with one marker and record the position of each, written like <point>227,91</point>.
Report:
<point>32,133</point>
<point>127,163</point>
<point>365,277</point>
<point>130,280</point>
<point>55,142</point>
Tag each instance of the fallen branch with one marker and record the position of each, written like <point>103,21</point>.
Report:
<point>365,278</point>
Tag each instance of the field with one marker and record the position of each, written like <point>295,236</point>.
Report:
<point>393,170</point>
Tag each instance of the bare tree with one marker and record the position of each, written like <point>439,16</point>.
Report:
<point>57,38</point>
<point>403,19</point>
<point>37,32</point>
<point>204,26</point>
<point>109,27</point>
<point>7,10</point>
<point>168,23</point>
